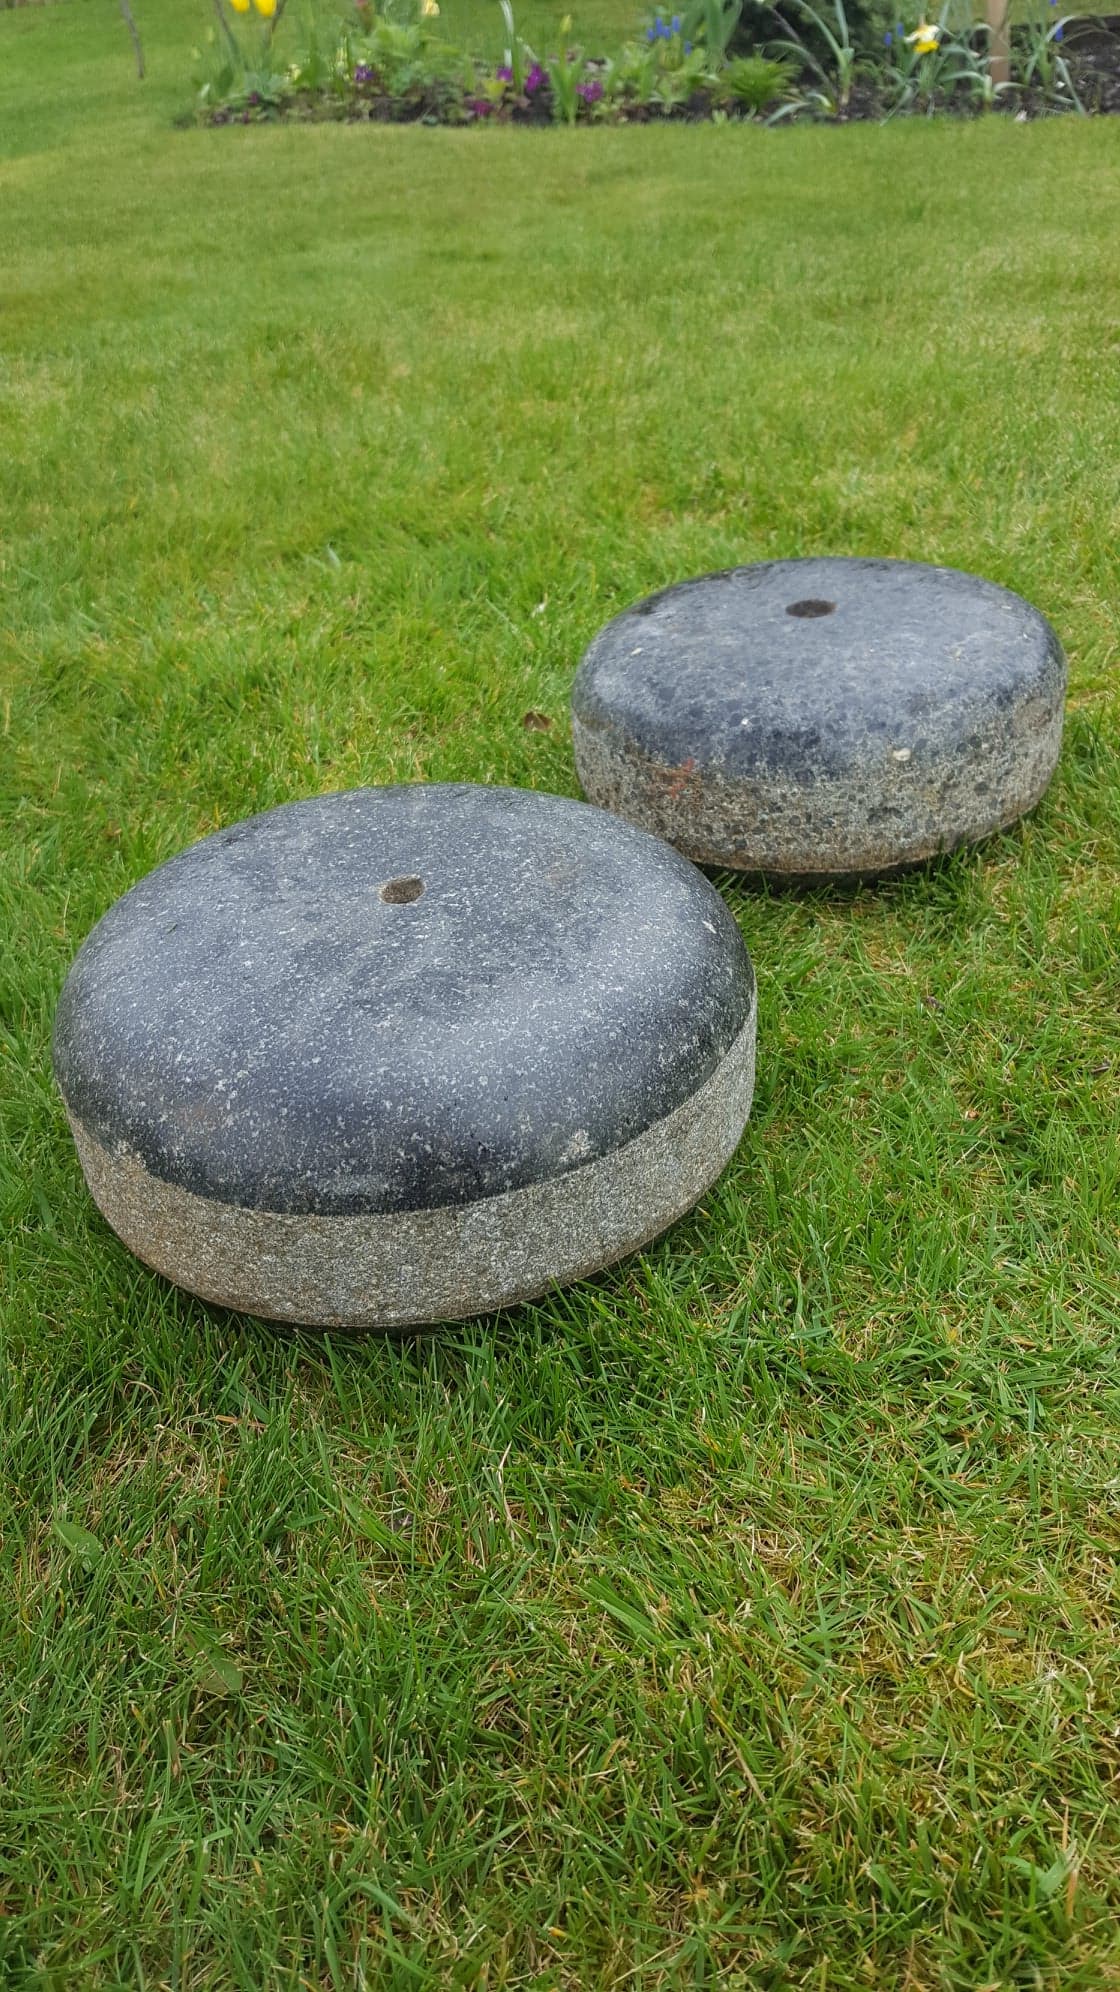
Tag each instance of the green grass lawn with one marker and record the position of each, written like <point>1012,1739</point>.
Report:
<point>748,1616</point>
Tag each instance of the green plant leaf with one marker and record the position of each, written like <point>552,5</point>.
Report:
<point>80,1542</point>
<point>215,1672</point>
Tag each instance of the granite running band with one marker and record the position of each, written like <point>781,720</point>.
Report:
<point>405,1268</point>
<point>834,826</point>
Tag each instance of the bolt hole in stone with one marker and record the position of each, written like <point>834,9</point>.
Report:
<point>810,607</point>
<point>401,891</point>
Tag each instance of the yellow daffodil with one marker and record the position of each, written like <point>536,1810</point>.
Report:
<point>926,38</point>
<point>240,6</point>
<point>428,8</point>
<point>267,8</point>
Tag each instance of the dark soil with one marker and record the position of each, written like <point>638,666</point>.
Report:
<point>1094,58</point>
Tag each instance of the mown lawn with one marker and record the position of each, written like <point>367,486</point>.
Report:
<point>748,1616</point>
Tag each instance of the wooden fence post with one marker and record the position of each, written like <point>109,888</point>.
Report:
<point>999,40</point>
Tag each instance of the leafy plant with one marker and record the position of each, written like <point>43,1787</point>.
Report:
<point>679,83</point>
<point>1043,61</point>
<point>404,59</point>
<point>228,82</point>
<point>519,57</point>
<point>630,78</point>
<point>974,76</point>
<point>214,73</point>
<point>566,74</point>
<point>235,66</point>
<point>322,62</point>
<point>713,22</point>
<point>833,90</point>
<point>755,81</point>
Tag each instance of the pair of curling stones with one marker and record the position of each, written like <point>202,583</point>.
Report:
<point>396,1056</point>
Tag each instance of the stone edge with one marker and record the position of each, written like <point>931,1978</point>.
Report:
<point>407,1269</point>
<point>776,830</point>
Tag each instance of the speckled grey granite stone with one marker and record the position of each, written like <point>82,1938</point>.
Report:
<point>821,718</point>
<point>398,1055</point>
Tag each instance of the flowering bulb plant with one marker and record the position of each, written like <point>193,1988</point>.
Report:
<point>569,79</point>
<point>713,22</point>
<point>923,63</point>
<point>235,67</point>
<point>1041,59</point>
<point>672,66</point>
<point>926,38</point>
<point>834,73</point>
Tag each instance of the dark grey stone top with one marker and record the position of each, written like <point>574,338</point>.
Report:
<point>793,667</point>
<point>398,998</point>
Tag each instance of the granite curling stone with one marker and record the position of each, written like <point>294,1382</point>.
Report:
<point>400,1055</point>
<point>815,719</point>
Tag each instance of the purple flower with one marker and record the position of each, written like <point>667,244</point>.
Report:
<point>887,39</point>
<point>536,79</point>
<point>504,74</point>
<point>1059,32</point>
<point>591,92</point>
<point>676,24</point>
<point>254,96</point>
<point>481,106</point>
<point>363,73</point>
<point>688,48</point>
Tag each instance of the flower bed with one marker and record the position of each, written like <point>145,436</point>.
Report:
<point>395,67</point>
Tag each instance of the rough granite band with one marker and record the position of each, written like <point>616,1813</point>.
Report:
<point>783,830</point>
<point>419,1266</point>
